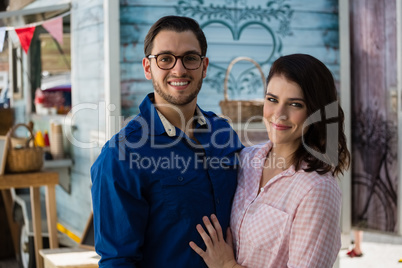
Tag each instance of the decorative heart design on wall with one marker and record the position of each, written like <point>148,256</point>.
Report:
<point>247,31</point>
<point>244,78</point>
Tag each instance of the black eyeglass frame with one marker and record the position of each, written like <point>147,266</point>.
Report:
<point>175,58</point>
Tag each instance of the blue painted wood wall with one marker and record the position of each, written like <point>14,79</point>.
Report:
<point>87,73</point>
<point>262,30</point>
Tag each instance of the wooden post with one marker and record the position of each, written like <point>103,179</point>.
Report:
<point>37,224</point>
<point>8,204</point>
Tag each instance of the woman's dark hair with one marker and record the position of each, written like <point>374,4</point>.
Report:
<point>177,24</point>
<point>318,86</point>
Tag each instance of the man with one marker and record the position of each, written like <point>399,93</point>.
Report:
<point>170,166</point>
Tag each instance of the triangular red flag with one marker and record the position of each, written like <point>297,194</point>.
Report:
<point>55,28</point>
<point>25,35</point>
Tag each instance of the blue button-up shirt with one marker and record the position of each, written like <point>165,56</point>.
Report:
<point>152,185</point>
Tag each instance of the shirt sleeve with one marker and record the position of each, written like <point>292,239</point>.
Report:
<point>120,211</point>
<point>315,238</point>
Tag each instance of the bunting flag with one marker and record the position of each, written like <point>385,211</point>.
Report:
<point>25,35</point>
<point>2,37</point>
<point>55,28</point>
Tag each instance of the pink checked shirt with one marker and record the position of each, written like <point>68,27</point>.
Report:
<point>292,222</point>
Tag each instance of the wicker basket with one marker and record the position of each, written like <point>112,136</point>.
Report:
<point>242,110</point>
<point>23,159</point>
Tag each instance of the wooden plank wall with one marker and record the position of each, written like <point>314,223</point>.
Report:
<point>374,119</point>
<point>73,209</point>
<point>308,26</point>
<point>52,60</point>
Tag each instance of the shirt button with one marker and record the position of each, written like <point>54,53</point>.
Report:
<point>180,178</point>
<point>262,189</point>
<point>217,201</point>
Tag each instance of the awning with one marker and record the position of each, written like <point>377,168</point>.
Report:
<point>36,11</point>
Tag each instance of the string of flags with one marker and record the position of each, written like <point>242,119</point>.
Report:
<point>25,34</point>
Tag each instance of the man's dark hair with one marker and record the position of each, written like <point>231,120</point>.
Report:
<point>177,24</point>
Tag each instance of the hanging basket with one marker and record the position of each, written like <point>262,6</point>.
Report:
<point>242,110</point>
<point>26,158</point>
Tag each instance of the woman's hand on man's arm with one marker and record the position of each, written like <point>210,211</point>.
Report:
<point>219,254</point>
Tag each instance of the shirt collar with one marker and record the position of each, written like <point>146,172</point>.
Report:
<point>171,129</point>
<point>161,124</point>
<point>263,152</point>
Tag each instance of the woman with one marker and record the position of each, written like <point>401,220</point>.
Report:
<point>287,205</point>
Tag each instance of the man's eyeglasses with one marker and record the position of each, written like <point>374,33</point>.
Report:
<point>166,61</point>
